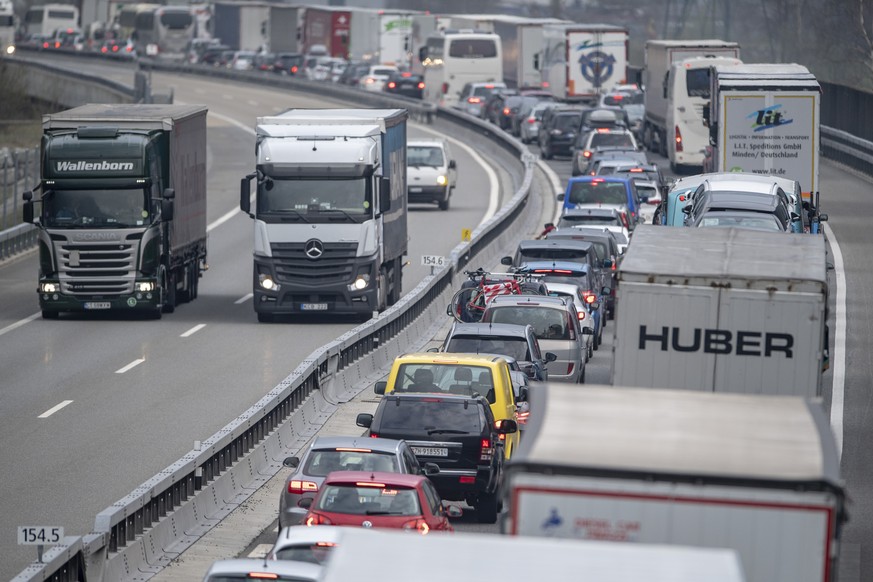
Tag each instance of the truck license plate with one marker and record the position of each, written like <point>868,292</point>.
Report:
<point>313,306</point>
<point>97,305</point>
<point>430,451</point>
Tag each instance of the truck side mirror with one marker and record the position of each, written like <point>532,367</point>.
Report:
<point>167,209</point>
<point>168,194</point>
<point>380,387</point>
<point>452,164</point>
<point>384,194</point>
<point>706,115</point>
<point>245,194</point>
<point>536,62</point>
<point>27,210</point>
<point>422,54</point>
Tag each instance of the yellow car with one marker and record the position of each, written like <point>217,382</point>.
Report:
<point>466,374</point>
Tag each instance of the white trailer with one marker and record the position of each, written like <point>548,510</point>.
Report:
<point>7,28</point>
<point>757,474</point>
<point>360,556</point>
<point>721,310</point>
<point>764,118</point>
<point>380,36</point>
<point>660,55</point>
<point>581,61</point>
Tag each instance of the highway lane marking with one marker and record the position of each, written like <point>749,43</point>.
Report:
<point>244,298</point>
<point>253,103</point>
<point>20,322</point>
<point>54,409</point>
<point>838,359</point>
<point>261,551</point>
<point>130,366</point>
<point>193,330</point>
<point>494,193</point>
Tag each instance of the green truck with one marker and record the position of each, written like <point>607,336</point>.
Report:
<point>120,208</point>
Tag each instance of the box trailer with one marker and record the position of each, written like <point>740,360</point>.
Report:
<point>721,310</point>
<point>327,27</point>
<point>241,25</point>
<point>581,61</point>
<point>380,36</point>
<point>756,474</point>
<point>283,28</point>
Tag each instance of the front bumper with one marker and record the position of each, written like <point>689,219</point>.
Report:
<point>133,302</point>
<point>448,482</point>
<point>427,193</point>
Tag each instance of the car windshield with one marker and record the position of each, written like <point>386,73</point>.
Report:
<point>424,156</point>
<point>548,322</point>
<point>314,553</point>
<point>110,208</point>
<point>375,500</point>
<point>757,221</point>
<point>315,200</point>
<point>515,347</point>
<point>321,462</point>
<point>431,415</point>
<point>450,378</point>
<point>611,139</point>
<point>598,192</point>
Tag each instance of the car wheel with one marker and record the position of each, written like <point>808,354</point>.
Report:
<point>596,340</point>
<point>582,376</point>
<point>265,317</point>
<point>444,204</point>
<point>590,350</point>
<point>486,508</point>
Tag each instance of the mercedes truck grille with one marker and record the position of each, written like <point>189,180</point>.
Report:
<point>334,266</point>
<point>96,268</point>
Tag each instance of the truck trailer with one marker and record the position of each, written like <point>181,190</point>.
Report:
<point>581,61</point>
<point>330,211</point>
<point>380,36</point>
<point>756,474</point>
<point>721,310</point>
<point>241,25</point>
<point>283,28</point>
<point>678,95</point>
<point>122,208</point>
<point>327,28</point>
<point>764,118</point>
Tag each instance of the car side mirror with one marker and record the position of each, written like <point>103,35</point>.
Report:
<point>823,217</point>
<point>551,357</point>
<point>291,462</point>
<point>452,164</point>
<point>505,426</point>
<point>595,306</point>
<point>560,196</point>
<point>430,469</point>
<point>453,511</point>
<point>306,502</point>
<point>380,387</point>
<point>587,331</point>
<point>506,261</point>
<point>607,263</point>
<point>606,291</point>
<point>523,394</point>
<point>364,420</point>
<point>686,209</point>
<point>433,349</point>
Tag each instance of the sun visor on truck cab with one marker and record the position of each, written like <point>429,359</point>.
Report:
<point>297,170</point>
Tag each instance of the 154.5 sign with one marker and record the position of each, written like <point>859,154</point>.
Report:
<point>39,535</point>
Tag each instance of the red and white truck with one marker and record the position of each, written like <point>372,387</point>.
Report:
<point>757,474</point>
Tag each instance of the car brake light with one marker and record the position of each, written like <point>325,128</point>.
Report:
<point>545,84</point>
<point>405,75</point>
<point>506,111</point>
<point>522,417</point>
<point>531,120</point>
<point>474,100</point>
<point>572,328</point>
<point>467,480</point>
<point>682,198</point>
<point>597,180</point>
<point>679,147</point>
<point>586,154</point>
<point>589,297</point>
<point>486,451</point>
<point>419,525</point>
<point>299,487</point>
<point>489,86</point>
<point>445,88</point>
<point>316,519</point>
<point>570,366</point>
<point>580,315</point>
<point>368,484</point>
<point>602,130</point>
<point>294,69</point>
<point>392,84</point>
<point>262,576</point>
<point>421,85</point>
<point>613,266</point>
<point>351,450</point>
<point>374,435</point>
<point>636,170</point>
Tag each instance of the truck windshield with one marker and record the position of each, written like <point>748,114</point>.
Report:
<point>315,199</point>
<point>112,208</point>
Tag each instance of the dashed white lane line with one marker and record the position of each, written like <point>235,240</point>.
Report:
<point>838,358</point>
<point>130,366</point>
<point>54,409</point>
<point>260,551</point>
<point>244,298</point>
<point>19,323</point>
<point>193,330</point>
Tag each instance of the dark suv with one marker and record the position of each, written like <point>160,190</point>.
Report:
<point>558,131</point>
<point>457,433</point>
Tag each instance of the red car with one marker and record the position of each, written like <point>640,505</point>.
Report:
<point>381,500</point>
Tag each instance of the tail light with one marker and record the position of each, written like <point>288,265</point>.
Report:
<point>531,120</point>
<point>506,111</point>
<point>570,367</point>
<point>421,85</point>
<point>298,487</point>
<point>465,480</point>
<point>589,297</point>
<point>294,69</point>
<point>624,222</point>
<point>678,139</point>
<point>445,88</point>
<point>522,417</point>
<point>115,48</point>
<point>129,49</point>
<point>572,328</point>
<point>419,525</point>
<point>486,452</point>
<point>373,435</point>
<point>581,315</point>
<point>586,154</point>
<point>392,85</point>
<point>474,100</point>
<point>614,267</point>
<point>316,519</point>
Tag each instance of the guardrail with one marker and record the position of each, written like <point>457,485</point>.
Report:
<point>141,533</point>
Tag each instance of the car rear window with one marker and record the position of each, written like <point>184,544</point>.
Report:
<point>515,347</point>
<point>587,219</point>
<point>611,139</point>
<point>353,500</point>
<point>548,322</point>
<point>526,255</point>
<point>314,553</point>
<point>598,193</point>
<point>432,416</point>
<point>320,462</point>
<point>568,122</point>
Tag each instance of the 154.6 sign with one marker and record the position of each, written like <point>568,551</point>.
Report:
<point>39,535</point>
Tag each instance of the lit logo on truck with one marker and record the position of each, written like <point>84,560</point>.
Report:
<point>768,118</point>
<point>719,341</point>
<point>81,166</point>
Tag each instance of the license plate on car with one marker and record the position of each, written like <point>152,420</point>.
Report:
<point>97,305</point>
<point>415,189</point>
<point>313,306</point>
<point>430,451</point>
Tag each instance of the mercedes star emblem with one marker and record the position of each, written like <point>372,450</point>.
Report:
<point>313,248</point>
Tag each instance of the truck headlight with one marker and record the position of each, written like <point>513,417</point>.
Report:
<point>49,287</point>
<point>10,50</point>
<point>144,286</point>
<point>266,282</point>
<point>360,283</point>
<point>442,180</point>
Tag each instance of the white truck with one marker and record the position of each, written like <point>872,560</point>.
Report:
<point>581,61</point>
<point>380,36</point>
<point>764,118</point>
<point>721,310</point>
<point>330,211</point>
<point>756,474</point>
<point>7,28</point>
<point>283,28</point>
<point>676,93</point>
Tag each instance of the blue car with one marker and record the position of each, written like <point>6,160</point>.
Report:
<point>604,192</point>
<point>577,274</point>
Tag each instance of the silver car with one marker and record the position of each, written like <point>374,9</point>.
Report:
<point>302,543</point>
<point>260,569</point>
<point>341,453</point>
<point>529,128</point>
